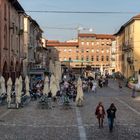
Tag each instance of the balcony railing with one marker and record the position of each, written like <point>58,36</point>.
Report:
<point>130,60</point>
<point>112,59</point>
<point>126,47</point>
<point>113,53</point>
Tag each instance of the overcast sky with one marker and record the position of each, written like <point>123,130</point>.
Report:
<point>100,23</point>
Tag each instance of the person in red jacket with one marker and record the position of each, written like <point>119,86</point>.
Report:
<point>100,113</point>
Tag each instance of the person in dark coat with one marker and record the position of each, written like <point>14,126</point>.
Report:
<point>133,92</point>
<point>100,113</point>
<point>111,115</point>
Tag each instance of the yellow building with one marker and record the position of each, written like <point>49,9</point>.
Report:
<point>128,40</point>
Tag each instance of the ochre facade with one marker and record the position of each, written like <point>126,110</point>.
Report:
<point>90,49</point>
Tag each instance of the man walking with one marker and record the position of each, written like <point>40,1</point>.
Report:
<point>133,92</point>
<point>111,114</point>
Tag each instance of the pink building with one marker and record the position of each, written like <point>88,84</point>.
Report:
<point>11,38</point>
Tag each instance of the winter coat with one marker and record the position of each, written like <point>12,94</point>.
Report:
<point>111,112</point>
<point>98,113</point>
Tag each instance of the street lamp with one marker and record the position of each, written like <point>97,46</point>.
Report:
<point>82,67</point>
<point>69,61</point>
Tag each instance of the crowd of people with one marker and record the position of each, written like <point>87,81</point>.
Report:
<point>71,89</point>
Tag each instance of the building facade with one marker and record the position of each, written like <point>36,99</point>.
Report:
<point>113,53</point>
<point>65,52</point>
<point>34,48</point>
<point>95,50</point>
<point>89,50</point>
<point>129,44</point>
<point>11,38</point>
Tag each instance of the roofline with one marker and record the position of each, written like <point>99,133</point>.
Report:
<point>110,36</point>
<point>17,6</point>
<point>60,44</point>
<point>128,22</point>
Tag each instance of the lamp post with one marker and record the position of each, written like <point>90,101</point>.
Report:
<point>69,62</point>
<point>82,67</point>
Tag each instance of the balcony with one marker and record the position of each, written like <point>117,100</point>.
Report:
<point>112,59</point>
<point>113,53</point>
<point>127,47</point>
<point>130,60</point>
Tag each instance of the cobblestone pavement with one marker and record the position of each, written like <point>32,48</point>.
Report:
<point>58,123</point>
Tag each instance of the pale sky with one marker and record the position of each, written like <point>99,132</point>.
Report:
<point>100,23</point>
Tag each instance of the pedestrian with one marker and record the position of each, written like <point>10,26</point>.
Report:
<point>133,92</point>
<point>100,82</point>
<point>90,85</point>
<point>106,82</point>
<point>94,87</point>
<point>111,115</point>
<point>120,86</point>
<point>100,113</point>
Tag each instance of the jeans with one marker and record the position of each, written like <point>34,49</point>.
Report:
<point>110,123</point>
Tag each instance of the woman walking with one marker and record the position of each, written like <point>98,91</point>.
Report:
<point>100,113</point>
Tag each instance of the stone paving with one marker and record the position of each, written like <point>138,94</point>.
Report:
<point>58,123</point>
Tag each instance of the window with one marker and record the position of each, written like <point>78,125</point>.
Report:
<point>87,50</point>
<point>65,50</point>
<point>12,43</point>
<point>92,58</point>
<point>97,43</point>
<point>87,58</point>
<point>107,58</point>
<point>82,58</point>
<point>65,58</point>
<point>92,43</point>
<point>70,59</point>
<point>69,50</point>
<point>77,50</point>
<point>102,50</point>
<point>5,11</point>
<point>77,58</point>
<point>97,58</point>
<point>97,50</point>
<point>82,43</point>
<point>107,51</point>
<point>5,37</point>
<point>107,43</point>
<point>92,50</point>
<point>102,43</point>
<point>82,50</point>
<point>102,59</point>
<point>88,43</point>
